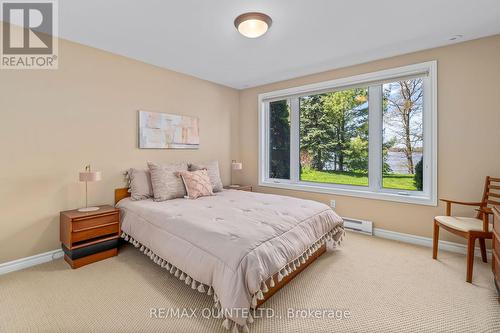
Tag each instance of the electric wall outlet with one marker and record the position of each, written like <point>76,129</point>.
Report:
<point>332,204</point>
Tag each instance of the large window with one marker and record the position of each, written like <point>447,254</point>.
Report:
<point>372,135</point>
<point>334,137</point>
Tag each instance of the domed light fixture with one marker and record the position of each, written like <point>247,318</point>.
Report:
<point>253,25</point>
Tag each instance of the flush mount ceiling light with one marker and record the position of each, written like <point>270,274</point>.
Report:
<point>253,25</point>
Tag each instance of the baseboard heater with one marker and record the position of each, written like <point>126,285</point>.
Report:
<point>365,227</point>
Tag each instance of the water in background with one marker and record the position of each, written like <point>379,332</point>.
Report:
<point>397,161</point>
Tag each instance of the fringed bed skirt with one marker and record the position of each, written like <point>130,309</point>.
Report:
<point>330,237</point>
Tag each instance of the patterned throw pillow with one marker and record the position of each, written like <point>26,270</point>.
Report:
<point>197,183</point>
<point>213,173</point>
<point>166,184</point>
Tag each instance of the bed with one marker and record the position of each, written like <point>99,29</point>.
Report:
<point>240,247</point>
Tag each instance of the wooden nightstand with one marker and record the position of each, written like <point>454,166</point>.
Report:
<point>89,237</point>
<point>240,188</point>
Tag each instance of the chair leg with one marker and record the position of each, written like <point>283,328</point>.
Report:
<point>482,245</point>
<point>435,241</point>
<point>470,257</point>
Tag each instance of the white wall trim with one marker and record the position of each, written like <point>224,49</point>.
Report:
<point>349,81</point>
<point>41,258</point>
<point>37,259</point>
<point>427,242</point>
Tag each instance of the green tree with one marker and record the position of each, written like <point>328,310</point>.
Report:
<point>419,175</point>
<point>349,120</point>
<point>357,155</point>
<point>279,140</point>
<point>386,147</point>
<point>316,133</point>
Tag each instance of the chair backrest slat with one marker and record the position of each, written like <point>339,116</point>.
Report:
<point>491,191</point>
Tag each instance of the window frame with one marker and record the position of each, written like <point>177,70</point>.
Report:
<point>373,81</point>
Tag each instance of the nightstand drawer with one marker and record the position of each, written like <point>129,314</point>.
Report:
<point>96,232</point>
<point>88,250</point>
<point>92,221</point>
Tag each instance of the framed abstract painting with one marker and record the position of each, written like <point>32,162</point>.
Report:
<point>168,131</point>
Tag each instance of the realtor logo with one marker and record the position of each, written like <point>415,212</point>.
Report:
<point>28,40</point>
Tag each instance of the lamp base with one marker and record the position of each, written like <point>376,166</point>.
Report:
<point>88,209</point>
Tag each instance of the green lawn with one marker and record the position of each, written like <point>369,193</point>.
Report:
<point>393,180</point>
<point>399,181</point>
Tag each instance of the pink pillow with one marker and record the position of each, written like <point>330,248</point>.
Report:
<point>197,183</point>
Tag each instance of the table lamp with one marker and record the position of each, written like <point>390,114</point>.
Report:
<point>89,176</point>
<point>235,166</point>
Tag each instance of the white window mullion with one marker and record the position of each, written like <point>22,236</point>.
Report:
<point>375,154</point>
<point>428,145</point>
<point>294,139</point>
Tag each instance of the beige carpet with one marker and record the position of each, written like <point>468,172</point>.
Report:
<point>386,286</point>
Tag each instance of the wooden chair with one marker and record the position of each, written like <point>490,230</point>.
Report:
<point>471,228</point>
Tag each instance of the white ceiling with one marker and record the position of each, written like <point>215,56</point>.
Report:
<point>197,37</point>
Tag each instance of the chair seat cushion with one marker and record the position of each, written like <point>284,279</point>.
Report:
<point>461,223</point>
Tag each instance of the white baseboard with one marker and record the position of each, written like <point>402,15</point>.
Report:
<point>427,242</point>
<point>41,258</point>
<point>37,259</point>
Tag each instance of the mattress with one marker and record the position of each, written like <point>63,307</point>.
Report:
<point>231,243</point>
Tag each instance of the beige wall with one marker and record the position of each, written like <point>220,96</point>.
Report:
<point>468,132</point>
<point>53,122</point>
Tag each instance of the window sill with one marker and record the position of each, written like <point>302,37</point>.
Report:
<point>366,194</point>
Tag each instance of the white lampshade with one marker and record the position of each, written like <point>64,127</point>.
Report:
<point>237,165</point>
<point>90,176</point>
